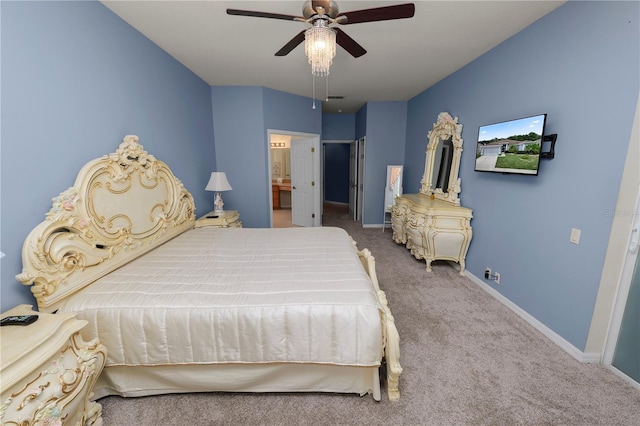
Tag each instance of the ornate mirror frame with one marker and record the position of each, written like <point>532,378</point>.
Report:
<point>445,128</point>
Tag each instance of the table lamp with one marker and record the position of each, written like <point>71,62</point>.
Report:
<point>218,182</point>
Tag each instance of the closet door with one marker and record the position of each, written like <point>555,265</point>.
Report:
<point>626,357</point>
<point>353,180</point>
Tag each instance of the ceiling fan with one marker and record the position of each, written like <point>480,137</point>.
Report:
<point>326,12</point>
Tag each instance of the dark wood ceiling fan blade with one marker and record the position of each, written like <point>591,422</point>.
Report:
<point>299,38</point>
<point>400,11</point>
<point>349,44</point>
<point>264,15</point>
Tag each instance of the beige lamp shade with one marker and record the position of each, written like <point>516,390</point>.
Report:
<point>218,182</point>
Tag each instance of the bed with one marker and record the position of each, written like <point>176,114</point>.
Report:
<point>184,309</point>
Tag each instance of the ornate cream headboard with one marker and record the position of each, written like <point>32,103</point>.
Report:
<point>121,206</point>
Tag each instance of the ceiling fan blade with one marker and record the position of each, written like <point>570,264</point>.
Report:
<point>386,13</point>
<point>348,44</point>
<point>299,38</point>
<point>264,15</point>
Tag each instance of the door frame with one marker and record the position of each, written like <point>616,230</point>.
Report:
<point>361,179</point>
<point>615,324</point>
<point>615,281</point>
<point>353,180</point>
<point>317,193</point>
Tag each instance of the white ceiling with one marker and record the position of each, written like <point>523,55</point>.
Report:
<point>404,57</point>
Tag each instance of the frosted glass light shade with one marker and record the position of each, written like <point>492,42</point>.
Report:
<point>320,48</point>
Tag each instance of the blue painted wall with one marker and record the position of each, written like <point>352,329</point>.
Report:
<point>386,124</point>
<point>339,127</point>
<point>241,118</point>
<point>240,145</point>
<point>580,65</point>
<point>284,111</point>
<point>75,80</point>
<point>361,122</point>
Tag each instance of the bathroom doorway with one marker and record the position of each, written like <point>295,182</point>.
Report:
<point>294,163</point>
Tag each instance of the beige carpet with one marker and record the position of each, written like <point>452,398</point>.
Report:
<point>467,360</point>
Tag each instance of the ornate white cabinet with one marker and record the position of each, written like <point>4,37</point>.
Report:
<point>431,223</point>
<point>47,372</point>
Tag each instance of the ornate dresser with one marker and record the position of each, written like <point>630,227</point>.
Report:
<point>431,223</point>
<point>47,371</point>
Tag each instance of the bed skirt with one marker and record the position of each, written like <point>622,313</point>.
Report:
<point>142,381</point>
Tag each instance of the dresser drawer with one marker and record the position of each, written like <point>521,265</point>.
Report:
<point>445,222</point>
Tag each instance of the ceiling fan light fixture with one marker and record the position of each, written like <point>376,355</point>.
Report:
<point>320,47</point>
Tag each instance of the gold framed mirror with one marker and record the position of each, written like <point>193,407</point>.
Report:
<point>444,150</point>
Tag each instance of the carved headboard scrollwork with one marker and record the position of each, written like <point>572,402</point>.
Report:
<point>442,164</point>
<point>120,206</point>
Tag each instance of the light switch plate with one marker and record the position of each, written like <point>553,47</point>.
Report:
<point>575,236</point>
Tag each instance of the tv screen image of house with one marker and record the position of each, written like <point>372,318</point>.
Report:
<point>511,146</point>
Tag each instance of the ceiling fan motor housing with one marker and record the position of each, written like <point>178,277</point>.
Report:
<point>310,8</point>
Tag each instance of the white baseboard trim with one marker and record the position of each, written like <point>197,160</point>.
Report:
<point>624,376</point>
<point>595,358</point>
<point>372,225</point>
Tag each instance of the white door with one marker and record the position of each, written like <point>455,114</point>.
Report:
<point>353,180</point>
<point>623,347</point>
<point>626,357</point>
<point>302,212</point>
<point>360,202</point>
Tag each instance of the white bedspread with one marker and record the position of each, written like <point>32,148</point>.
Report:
<point>238,295</point>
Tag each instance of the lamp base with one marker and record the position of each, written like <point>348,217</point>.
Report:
<point>217,205</point>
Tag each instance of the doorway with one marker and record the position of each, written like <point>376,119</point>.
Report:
<point>622,345</point>
<point>626,357</point>
<point>622,352</point>
<point>294,165</point>
<point>335,185</point>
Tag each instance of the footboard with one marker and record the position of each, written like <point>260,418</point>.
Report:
<point>391,337</point>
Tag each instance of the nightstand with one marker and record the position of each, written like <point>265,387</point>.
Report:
<point>226,219</point>
<point>48,372</point>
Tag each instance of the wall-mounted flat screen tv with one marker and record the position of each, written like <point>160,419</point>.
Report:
<point>511,146</point>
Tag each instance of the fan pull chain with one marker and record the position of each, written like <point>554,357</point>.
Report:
<point>327,88</point>
<point>326,97</point>
<point>314,91</point>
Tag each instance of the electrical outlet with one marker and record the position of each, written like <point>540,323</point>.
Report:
<point>487,273</point>
<point>497,277</point>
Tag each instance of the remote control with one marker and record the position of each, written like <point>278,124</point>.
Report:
<point>19,320</point>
